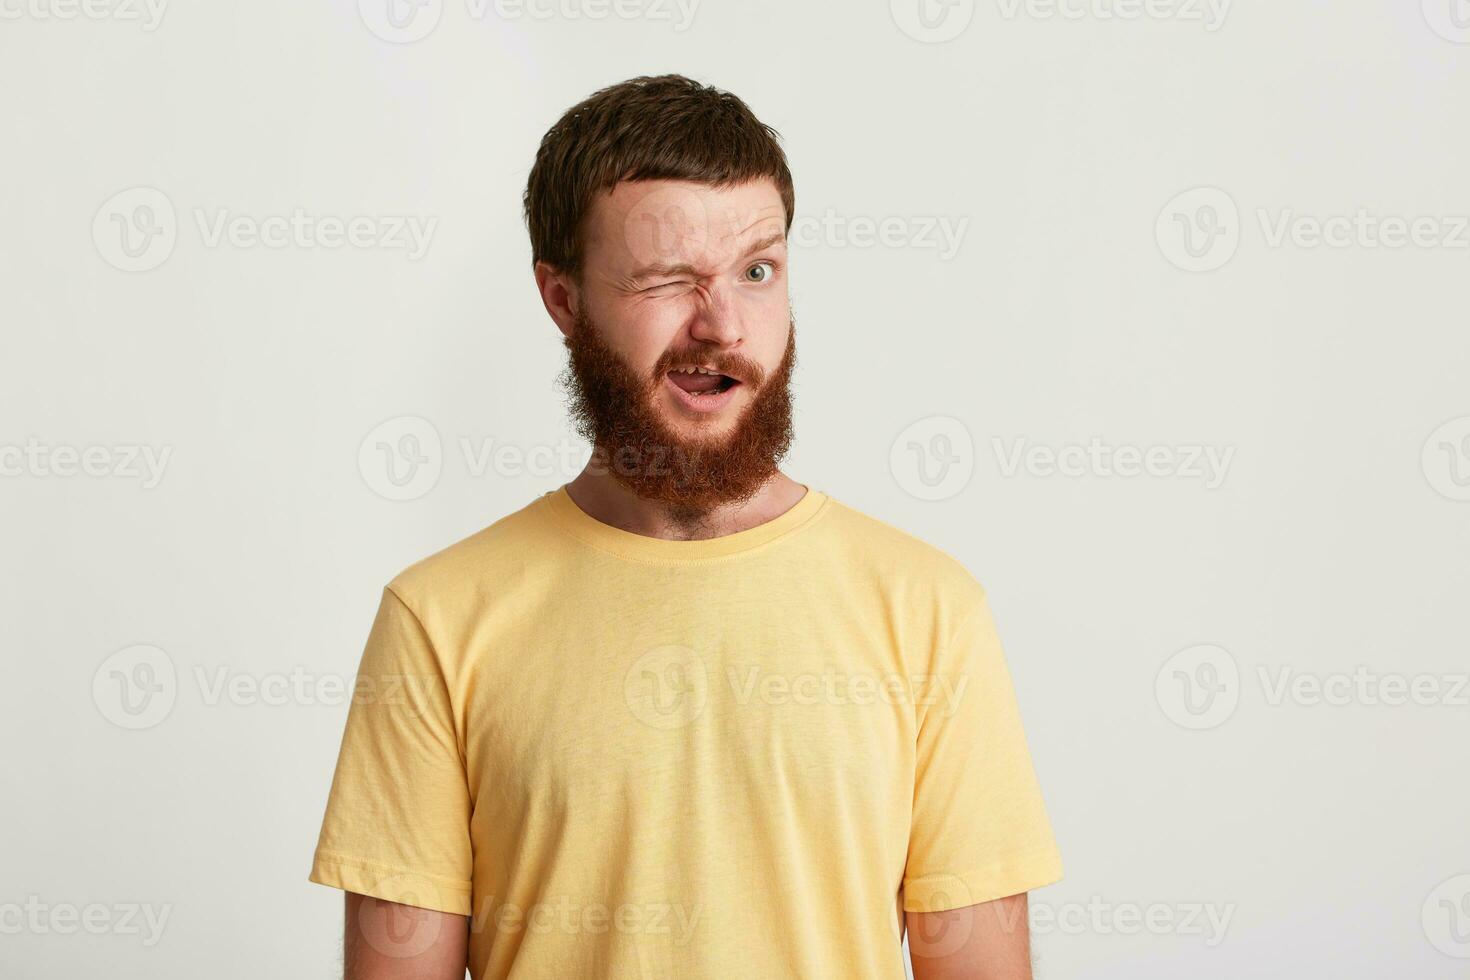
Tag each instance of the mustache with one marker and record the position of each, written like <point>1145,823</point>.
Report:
<point>737,366</point>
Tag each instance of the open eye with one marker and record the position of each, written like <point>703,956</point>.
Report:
<point>760,271</point>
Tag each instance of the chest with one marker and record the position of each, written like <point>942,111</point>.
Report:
<point>805,706</point>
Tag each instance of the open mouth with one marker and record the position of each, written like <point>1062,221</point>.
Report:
<point>701,382</point>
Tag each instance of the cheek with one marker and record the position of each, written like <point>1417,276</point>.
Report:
<point>769,321</point>
<point>644,331</point>
<point>770,312</point>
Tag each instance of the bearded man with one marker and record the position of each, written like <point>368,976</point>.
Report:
<point>684,716</point>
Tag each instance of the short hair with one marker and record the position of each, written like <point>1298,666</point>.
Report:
<point>663,127</point>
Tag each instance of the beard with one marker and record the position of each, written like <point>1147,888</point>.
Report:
<point>614,408</point>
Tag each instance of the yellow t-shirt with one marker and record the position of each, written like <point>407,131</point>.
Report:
<point>630,757</point>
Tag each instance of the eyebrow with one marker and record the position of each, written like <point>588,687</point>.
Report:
<point>685,269</point>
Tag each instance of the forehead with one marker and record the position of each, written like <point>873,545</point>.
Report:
<point>676,221</point>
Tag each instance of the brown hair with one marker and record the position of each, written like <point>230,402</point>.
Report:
<point>664,127</point>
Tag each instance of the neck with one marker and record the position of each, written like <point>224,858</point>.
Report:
<point>601,496</point>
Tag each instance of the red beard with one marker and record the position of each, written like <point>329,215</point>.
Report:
<point>613,408</point>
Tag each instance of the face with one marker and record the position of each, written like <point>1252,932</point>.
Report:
<point>681,339</point>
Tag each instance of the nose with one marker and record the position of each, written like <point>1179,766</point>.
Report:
<point>717,318</point>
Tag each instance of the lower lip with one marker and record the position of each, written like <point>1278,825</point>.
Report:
<point>702,404</point>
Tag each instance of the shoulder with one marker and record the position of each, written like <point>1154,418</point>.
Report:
<point>474,566</point>
<point>901,555</point>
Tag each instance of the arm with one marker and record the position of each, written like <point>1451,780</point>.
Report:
<point>989,941</point>
<point>979,826</point>
<point>387,941</point>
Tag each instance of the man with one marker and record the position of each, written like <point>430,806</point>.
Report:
<point>684,716</point>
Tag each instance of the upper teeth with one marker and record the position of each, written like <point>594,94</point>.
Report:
<point>693,370</point>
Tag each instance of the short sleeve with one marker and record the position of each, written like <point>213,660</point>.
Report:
<point>397,824</point>
<point>979,828</point>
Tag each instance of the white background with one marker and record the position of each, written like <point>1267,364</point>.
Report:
<point>1328,832</point>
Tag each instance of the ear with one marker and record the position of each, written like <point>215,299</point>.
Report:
<point>558,291</point>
